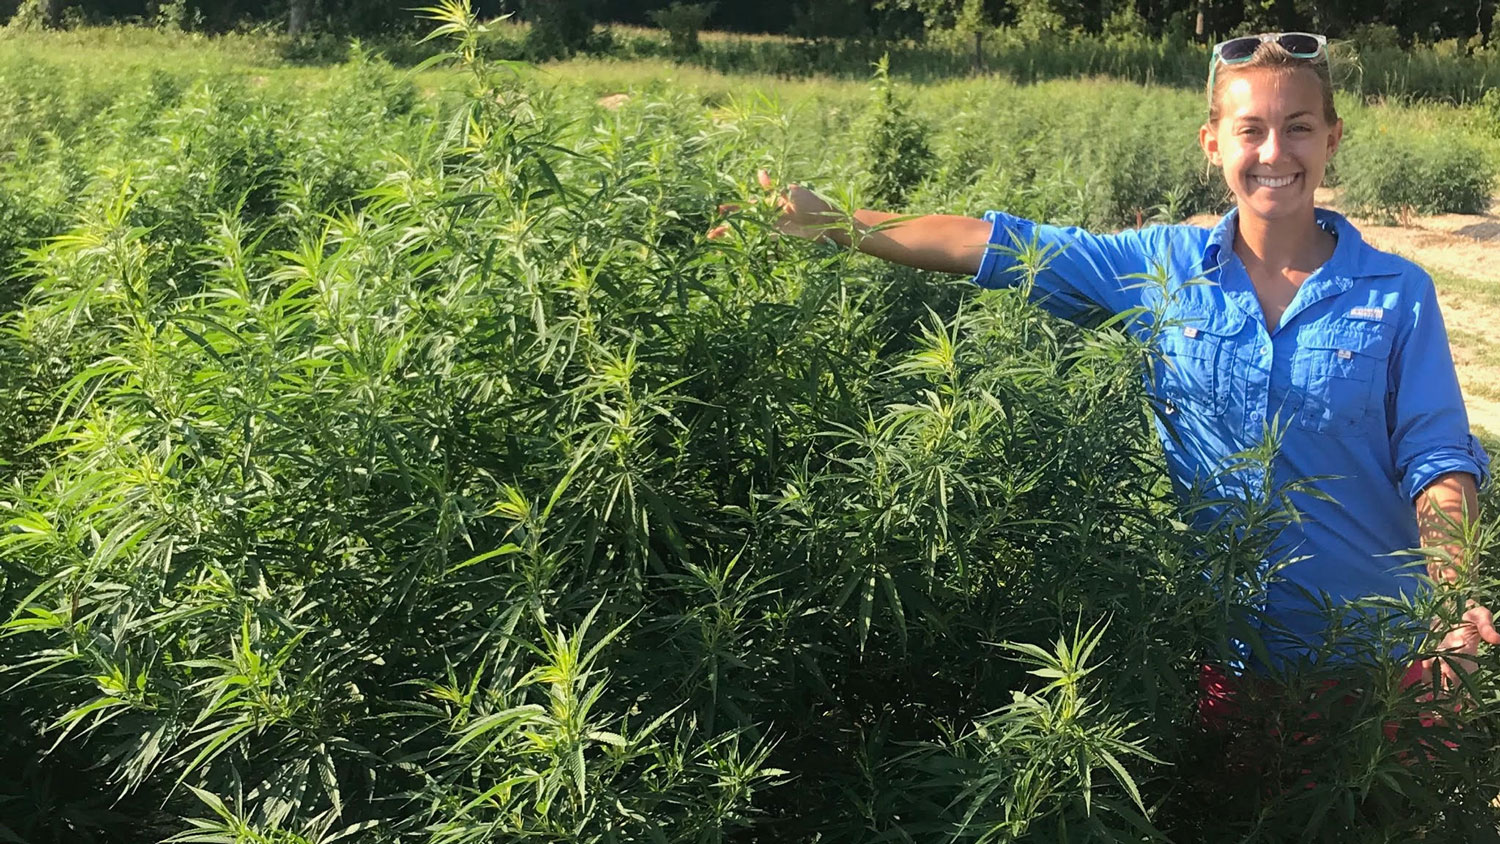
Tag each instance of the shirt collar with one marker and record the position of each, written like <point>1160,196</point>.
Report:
<point>1352,257</point>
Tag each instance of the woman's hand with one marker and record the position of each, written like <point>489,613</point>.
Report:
<point>1459,645</point>
<point>802,213</point>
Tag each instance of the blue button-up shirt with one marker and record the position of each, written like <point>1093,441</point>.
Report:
<point>1358,374</point>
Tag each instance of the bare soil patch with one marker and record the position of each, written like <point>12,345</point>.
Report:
<point>1462,244</point>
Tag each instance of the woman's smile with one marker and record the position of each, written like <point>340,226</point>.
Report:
<point>1276,181</point>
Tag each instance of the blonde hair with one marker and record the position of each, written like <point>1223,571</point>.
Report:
<point>1272,56</point>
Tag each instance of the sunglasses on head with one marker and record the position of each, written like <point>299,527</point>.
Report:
<point>1301,45</point>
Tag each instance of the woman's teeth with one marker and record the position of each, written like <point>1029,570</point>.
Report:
<point>1281,182</point>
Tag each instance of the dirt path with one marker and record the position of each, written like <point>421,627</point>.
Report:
<point>1484,414</point>
<point>1467,245</point>
<point>1462,251</point>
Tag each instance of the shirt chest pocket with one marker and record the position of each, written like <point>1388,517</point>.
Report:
<point>1339,371</point>
<point>1196,372</point>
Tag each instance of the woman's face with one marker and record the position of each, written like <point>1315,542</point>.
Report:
<point>1272,140</point>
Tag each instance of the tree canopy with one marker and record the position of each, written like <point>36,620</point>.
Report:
<point>1425,22</point>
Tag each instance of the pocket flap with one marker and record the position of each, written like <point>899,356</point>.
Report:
<point>1350,337</point>
<point>1193,322</point>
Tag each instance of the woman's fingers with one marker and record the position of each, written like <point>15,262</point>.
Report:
<point>723,229</point>
<point>1484,623</point>
<point>1461,643</point>
<point>1459,647</point>
<point>799,211</point>
<point>1451,682</point>
<point>764,179</point>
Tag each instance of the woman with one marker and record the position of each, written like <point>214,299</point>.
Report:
<point>1303,326</point>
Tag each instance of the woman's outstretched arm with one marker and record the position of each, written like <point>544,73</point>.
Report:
<point>937,242</point>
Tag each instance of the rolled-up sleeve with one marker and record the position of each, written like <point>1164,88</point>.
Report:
<point>1080,271</point>
<point>1430,433</point>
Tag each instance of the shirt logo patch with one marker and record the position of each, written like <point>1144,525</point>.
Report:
<point>1376,314</point>
<point>1345,354</point>
<point>1190,332</point>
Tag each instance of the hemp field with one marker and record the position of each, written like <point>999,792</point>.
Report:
<point>392,458</point>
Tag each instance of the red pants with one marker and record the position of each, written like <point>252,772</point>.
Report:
<point>1218,706</point>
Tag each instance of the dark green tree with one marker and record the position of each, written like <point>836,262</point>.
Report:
<point>559,28</point>
<point>822,19</point>
<point>565,26</point>
<point>39,14</point>
<point>682,21</point>
<point>297,15</point>
<point>936,14</point>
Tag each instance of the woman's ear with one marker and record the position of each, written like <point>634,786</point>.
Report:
<point>1208,139</point>
<point>1335,136</point>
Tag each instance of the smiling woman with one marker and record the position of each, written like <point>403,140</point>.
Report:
<point>1272,128</point>
<point>1304,335</point>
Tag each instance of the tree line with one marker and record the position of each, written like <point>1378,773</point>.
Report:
<point>1471,22</point>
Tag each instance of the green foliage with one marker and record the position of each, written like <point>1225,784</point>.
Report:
<point>1143,165</point>
<point>179,16</point>
<point>682,21</point>
<point>559,28</point>
<point>1124,23</point>
<point>834,38</point>
<point>1396,173</point>
<point>1040,21</point>
<point>1463,25</point>
<point>935,14</point>
<point>1179,30</point>
<point>896,153</point>
<point>381,467</point>
<point>32,15</point>
<point>971,17</point>
<point>1370,37</point>
<point>1050,743</point>
<point>841,19</point>
<point>1485,116</point>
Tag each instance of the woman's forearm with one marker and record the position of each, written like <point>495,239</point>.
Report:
<point>1450,500</point>
<point>937,242</point>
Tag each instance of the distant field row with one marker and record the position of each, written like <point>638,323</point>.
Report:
<point>1441,72</point>
<point>1095,152</point>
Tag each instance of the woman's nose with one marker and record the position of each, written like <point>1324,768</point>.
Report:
<point>1270,148</point>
